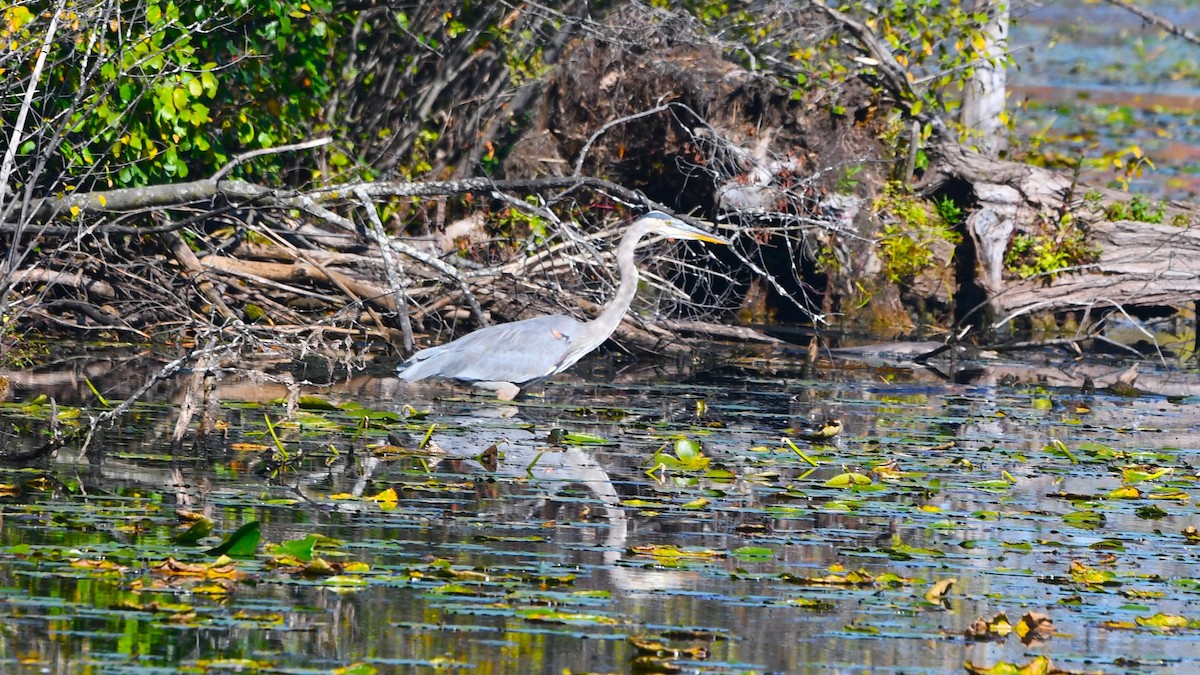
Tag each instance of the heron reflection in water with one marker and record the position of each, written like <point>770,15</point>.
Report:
<point>506,357</point>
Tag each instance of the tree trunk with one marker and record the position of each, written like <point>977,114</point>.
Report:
<point>983,97</point>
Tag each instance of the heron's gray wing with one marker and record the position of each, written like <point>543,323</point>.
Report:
<point>516,352</point>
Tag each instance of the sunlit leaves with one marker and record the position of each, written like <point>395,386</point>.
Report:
<point>1085,519</point>
<point>165,80</point>
<point>848,479</point>
<point>670,555</point>
<point>686,455</point>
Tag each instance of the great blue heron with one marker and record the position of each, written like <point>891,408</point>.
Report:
<point>505,357</point>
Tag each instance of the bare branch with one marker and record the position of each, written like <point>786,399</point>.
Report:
<point>1158,20</point>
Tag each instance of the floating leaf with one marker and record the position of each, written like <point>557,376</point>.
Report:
<point>997,628</point>
<point>1038,666</point>
<point>1137,475</point>
<point>580,438</point>
<point>938,592</point>
<point>199,530</point>
<point>1087,520</point>
<point>314,403</point>
<point>1162,621</point>
<point>1150,512</point>
<point>387,499</point>
<point>848,479</point>
<point>355,669</point>
<point>1081,573</point>
<point>1034,626</point>
<point>1125,492</point>
<point>242,543</point>
<point>300,549</point>
<point>319,568</point>
<point>548,615</point>
<point>753,552</point>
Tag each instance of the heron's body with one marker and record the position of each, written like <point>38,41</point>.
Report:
<point>504,357</point>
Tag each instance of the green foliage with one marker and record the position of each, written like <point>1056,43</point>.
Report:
<point>940,42</point>
<point>847,180</point>
<point>950,212</point>
<point>159,91</point>
<point>1062,246</point>
<point>422,153</point>
<point>1127,163</point>
<point>910,231</point>
<point>17,351</point>
<point>523,224</point>
<point>1139,209</point>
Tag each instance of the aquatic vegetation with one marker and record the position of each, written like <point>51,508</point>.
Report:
<point>929,518</point>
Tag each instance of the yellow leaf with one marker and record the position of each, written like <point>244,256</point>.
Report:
<point>1126,492</point>
<point>386,498</point>
<point>1162,621</point>
<point>102,200</point>
<point>940,590</point>
<point>74,211</point>
<point>848,479</point>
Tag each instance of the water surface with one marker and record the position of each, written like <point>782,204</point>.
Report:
<point>547,537</point>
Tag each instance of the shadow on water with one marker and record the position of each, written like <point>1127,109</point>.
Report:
<point>631,518</point>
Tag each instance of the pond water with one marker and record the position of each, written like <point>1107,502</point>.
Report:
<point>1092,80</point>
<point>629,517</point>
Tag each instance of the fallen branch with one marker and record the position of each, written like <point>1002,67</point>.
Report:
<point>98,289</point>
<point>358,291</point>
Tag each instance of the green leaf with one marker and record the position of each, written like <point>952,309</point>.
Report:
<point>241,544</point>
<point>848,479</point>
<point>687,450</point>
<point>199,530</point>
<point>581,438</point>
<point>1088,520</point>
<point>301,549</point>
<point>315,403</point>
<point>753,552</point>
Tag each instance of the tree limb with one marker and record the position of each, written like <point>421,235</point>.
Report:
<point>1158,20</point>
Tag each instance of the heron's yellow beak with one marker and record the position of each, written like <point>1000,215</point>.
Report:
<point>681,230</point>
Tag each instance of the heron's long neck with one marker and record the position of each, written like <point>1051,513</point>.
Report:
<point>610,318</point>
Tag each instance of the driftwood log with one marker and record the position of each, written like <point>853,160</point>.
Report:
<point>1137,264</point>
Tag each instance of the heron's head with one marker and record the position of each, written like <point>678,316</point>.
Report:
<point>670,226</point>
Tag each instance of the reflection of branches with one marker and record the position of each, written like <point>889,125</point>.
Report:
<point>208,355</point>
<point>166,372</point>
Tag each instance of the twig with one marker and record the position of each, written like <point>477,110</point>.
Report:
<point>448,270</point>
<point>14,140</point>
<point>610,124</point>
<point>886,64</point>
<point>1158,20</point>
<point>247,156</point>
<point>391,269</point>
